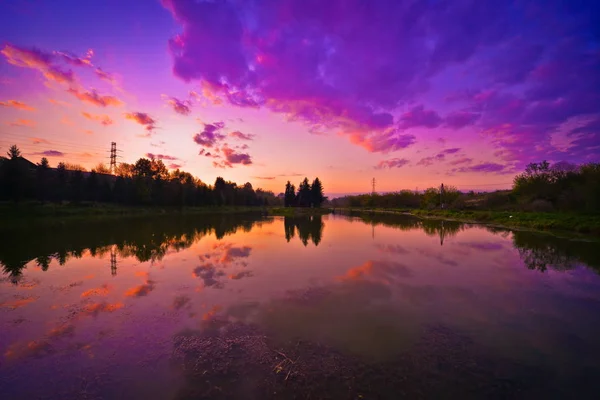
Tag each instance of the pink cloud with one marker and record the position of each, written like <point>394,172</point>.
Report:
<point>16,104</point>
<point>103,119</point>
<point>59,103</point>
<point>241,136</point>
<point>94,98</point>
<point>23,122</point>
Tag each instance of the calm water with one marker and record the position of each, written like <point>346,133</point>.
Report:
<point>381,306</point>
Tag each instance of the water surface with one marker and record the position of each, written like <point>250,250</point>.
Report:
<point>370,307</point>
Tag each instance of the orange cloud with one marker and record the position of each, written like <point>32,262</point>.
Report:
<point>58,75</point>
<point>16,104</point>
<point>39,60</point>
<point>94,98</point>
<point>103,119</point>
<point>23,122</point>
<point>29,58</point>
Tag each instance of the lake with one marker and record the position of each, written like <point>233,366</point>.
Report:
<point>255,307</point>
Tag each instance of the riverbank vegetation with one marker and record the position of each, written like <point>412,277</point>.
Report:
<point>559,196</point>
<point>146,183</point>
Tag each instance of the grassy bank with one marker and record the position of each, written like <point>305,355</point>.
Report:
<point>23,214</point>
<point>588,224</point>
<point>14,215</point>
<point>298,211</point>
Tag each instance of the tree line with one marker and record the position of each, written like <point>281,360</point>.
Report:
<point>146,182</point>
<point>308,195</point>
<point>542,187</point>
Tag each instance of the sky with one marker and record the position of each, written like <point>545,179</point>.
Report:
<point>411,93</point>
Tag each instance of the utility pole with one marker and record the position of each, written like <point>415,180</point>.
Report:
<point>441,196</point>
<point>113,157</point>
<point>373,192</point>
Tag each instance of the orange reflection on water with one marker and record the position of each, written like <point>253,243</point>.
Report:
<point>211,313</point>
<point>101,291</point>
<point>13,305</point>
<point>97,308</point>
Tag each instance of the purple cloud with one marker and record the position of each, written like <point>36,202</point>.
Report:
<point>182,107</point>
<point>450,151</point>
<point>50,153</point>
<point>484,168</point>
<point>460,119</point>
<point>392,163</point>
<point>241,136</point>
<point>418,116</point>
<point>211,135</point>
<point>291,57</point>
<point>161,157</point>
<point>464,160</point>
<point>236,158</point>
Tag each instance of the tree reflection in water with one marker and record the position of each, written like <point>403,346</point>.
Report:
<point>147,239</point>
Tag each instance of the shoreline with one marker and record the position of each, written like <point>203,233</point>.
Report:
<point>24,214</point>
<point>579,224</point>
<point>18,215</point>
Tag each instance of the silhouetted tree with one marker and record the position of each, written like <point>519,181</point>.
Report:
<point>303,199</point>
<point>289,197</point>
<point>316,193</point>
<point>13,152</point>
<point>15,175</point>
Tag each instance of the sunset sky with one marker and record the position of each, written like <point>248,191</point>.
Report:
<point>412,93</point>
